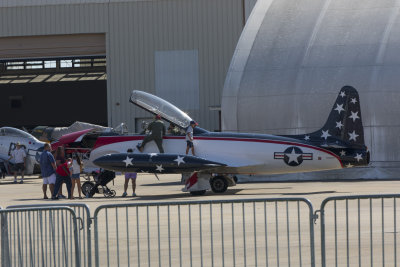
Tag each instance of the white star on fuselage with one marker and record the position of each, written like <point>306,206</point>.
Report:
<point>293,156</point>
<point>325,134</point>
<point>152,154</point>
<point>353,100</point>
<point>339,124</point>
<point>128,161</point>
<point>339,108</point>
<point>354,116</point>
<point>159,168</point>
<point>342,153</point>
<point>307,137</point>
<point>353,136</point>
<point>179,160</point>
<point>358,157</point>
<point>342,94</point>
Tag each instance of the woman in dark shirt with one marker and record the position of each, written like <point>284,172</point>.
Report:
<point>60,159</point>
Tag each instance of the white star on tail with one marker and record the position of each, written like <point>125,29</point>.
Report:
<point>348,165</point>
<point>307,137</point>
<point>325,134</point>
<point>293,156</point>
<point>339,108</point>
<point>342,94</point>
<point>152,154</point>
<point>353,100</point>
<point>342,153</point>
<point>353,136</point>
<point>354,116</point>
<point>159,168</point>
<point>128,161</point>
<point>339,124</point>
<point>179,160</point>
<point>358,157</point>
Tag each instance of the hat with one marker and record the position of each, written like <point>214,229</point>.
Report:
<point>158,116</point>
<point>18,144</point>
<point>193,122</point>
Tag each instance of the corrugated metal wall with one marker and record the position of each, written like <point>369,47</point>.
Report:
<point>135,30</point>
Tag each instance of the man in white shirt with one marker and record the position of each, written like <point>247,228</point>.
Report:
<point>19,156</point>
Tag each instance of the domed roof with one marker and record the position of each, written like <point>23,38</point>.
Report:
<point>294,56</point>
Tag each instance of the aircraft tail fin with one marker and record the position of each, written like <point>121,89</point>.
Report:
<point>344,121</point>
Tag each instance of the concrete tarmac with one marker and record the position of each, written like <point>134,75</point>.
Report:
<point>168,188</point>
<point>345,244</point>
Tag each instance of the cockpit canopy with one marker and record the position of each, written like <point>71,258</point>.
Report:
<point>161,107</point>
<point>9,131</point>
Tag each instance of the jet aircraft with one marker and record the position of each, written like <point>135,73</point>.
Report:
<point>222,155</point>
<point>9,137</point>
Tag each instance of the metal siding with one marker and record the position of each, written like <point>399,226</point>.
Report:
<point>134,31</point>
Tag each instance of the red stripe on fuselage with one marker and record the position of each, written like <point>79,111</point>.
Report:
<point>102,141</point>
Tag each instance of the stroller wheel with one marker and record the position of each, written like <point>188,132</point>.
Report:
<point>86,188</point>
<point>113,193</point>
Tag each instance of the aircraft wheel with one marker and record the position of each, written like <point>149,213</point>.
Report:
<point>86,188</point>
<point>219,184</point>
<point>198,193</point>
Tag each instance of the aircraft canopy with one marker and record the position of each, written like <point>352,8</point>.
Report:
<point>159,106</point>
<point>9,131</point>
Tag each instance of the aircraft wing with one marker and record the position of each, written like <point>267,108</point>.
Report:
<point>155,163</point>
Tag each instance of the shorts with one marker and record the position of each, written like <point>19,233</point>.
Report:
<point>189,143</point>
<point>50,180</point>
<point>19,167</point>
<point>76,176</point>
<point>130,175</point>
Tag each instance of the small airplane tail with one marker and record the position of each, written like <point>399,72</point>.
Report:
<point>344,121</point>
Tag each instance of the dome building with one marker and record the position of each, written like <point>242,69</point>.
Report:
<point>294,56</point>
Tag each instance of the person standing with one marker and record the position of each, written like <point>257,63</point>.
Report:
<point>130,176</point>
<point>76,171</point>
<point>157,131</point>
<point>63,175</point>
<point>19,156</point>
<point>60,159</point>
<point>48,168</point>
<point>189,137</point>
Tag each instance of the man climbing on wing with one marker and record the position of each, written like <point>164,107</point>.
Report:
<point>157,131</point>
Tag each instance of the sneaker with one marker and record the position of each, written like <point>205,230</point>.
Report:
<point>21,182</point>
<point>61,196</point>
<point>54,198</point>
<point>15,181</point>
<point>124,194</point>
<point>134,195</point>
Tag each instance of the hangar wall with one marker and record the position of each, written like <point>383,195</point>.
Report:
<point>135,30</point>
<point>294,56</point>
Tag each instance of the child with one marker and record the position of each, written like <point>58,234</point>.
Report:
<point>63,175</point>
<point>189,137</point>
<point>75,177</point>
<point>132,176</point>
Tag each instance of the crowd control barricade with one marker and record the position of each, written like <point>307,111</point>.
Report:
<point>252,232</point>
<point>42,236</point>
<point>359,230</point>
<point>82,213</point>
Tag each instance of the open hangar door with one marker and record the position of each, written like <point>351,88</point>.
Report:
<point>53,81</point>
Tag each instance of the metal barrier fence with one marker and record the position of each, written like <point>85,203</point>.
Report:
<point>39,237</point>
<point>265,232</point>
<point>359,230</point>
<point>82,213</point>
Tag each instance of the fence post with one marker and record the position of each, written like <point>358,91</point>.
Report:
<point>5,250</point>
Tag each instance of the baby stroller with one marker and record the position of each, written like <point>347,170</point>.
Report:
<point>99,186</point>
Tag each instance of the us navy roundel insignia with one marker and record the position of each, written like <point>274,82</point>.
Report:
<point>293,156</point>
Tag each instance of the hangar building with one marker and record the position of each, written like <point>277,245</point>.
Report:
<point>68,60</point>
<point>294,56</point>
